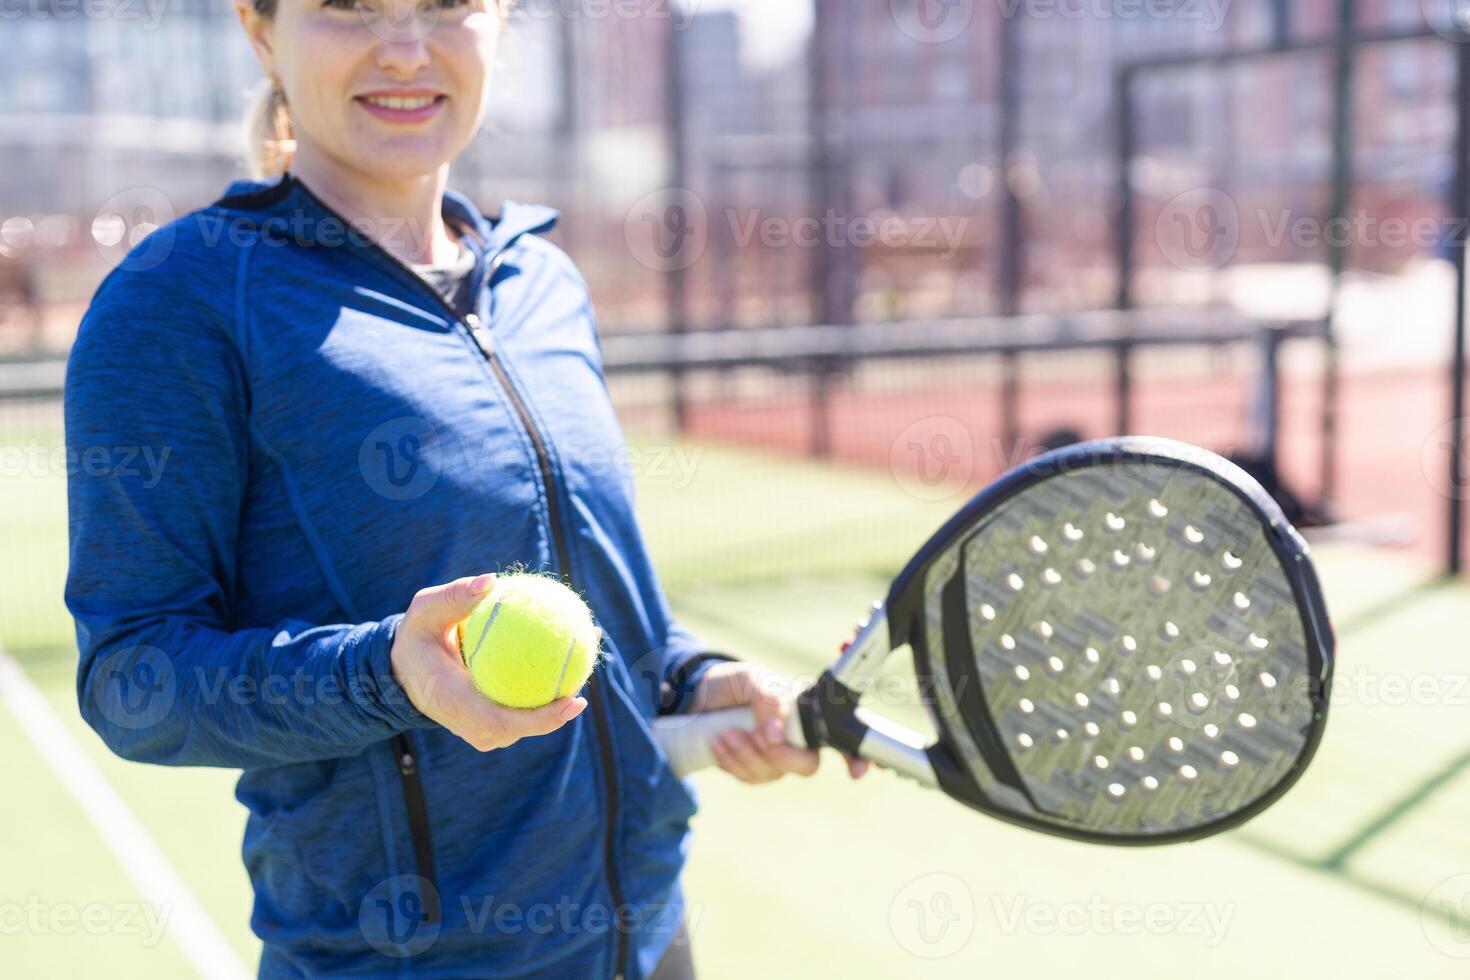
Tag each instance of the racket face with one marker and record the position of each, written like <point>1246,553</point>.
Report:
<point>1122,641</point>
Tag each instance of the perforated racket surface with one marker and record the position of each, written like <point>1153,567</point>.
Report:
<point>1121,641</point>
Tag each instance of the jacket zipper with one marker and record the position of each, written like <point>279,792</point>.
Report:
<point>595,699</point>
<point>413,789</point>
<point>418,825</point>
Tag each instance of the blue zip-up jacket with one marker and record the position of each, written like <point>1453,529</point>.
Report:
<point>281,434</point>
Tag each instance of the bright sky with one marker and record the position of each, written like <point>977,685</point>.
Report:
<point>771,30</point>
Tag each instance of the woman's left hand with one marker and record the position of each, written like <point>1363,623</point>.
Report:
<point>764,754</point>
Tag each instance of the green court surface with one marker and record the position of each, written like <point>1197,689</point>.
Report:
<point>1356,873</point>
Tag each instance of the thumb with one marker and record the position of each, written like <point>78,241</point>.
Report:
<point>445,605</point>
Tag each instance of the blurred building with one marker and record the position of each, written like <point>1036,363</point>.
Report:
<point>96,111</point>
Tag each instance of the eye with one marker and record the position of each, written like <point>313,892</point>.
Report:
<point>339,4</point>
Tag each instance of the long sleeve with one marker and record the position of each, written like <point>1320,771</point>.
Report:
<point>158,439</point>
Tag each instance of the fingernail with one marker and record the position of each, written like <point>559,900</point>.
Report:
<point>574,709</point>
<point>483,583</point>
<point>773,732</point>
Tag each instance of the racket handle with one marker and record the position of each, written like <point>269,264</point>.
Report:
<point>687,740</point>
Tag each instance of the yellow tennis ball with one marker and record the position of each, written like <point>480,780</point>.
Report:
<point>529,642</point>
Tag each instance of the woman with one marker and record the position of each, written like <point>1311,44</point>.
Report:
<point>366,396</point>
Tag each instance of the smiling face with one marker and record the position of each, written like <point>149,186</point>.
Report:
<point>394,89</point>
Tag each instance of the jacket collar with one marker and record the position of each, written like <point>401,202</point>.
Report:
<point>287,205</point>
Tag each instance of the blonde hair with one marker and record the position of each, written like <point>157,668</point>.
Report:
<point>269,141</point>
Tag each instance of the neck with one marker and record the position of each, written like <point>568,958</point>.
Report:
<point>404,217</point>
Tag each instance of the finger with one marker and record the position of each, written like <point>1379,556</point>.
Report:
<point>789,758</point>
<point>769,700</point>
<point>727,761</point>
<point>772,732</point>
<point>529,722</point>
<point>439,607</point>
<point>856,768</point>
<point>747,755</point>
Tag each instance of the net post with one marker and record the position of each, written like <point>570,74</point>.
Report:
<point>1123,386</point>
<point>1010,399</point>
<point>1125,137</point>
<point>1459,193</point>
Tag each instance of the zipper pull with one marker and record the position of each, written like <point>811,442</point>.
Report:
<point>478,333</point>
<point>407,764</point>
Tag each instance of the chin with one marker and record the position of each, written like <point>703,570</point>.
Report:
<point>401,163</point>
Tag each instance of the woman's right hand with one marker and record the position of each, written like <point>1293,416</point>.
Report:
<point>427,665</point>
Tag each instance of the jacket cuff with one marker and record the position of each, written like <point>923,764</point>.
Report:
<point>370,675</point>
<point>676,694</point>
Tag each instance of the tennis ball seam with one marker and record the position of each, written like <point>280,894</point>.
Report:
<point>489,622</point>
<point>566,662</point>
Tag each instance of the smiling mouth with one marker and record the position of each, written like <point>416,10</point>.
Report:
<point>401,103</point>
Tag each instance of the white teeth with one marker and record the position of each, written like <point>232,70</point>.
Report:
<point>394,102</point>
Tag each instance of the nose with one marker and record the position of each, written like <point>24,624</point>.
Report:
<point>403,56</point>
<point>403,32</point>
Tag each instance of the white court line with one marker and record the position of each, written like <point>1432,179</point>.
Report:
<point>184,918</point>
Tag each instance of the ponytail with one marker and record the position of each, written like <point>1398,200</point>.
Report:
<point>268,139</point>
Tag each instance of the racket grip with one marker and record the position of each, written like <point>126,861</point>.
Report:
<point>687,740</point>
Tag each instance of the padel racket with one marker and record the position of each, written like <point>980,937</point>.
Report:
<point>1122,641</point>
